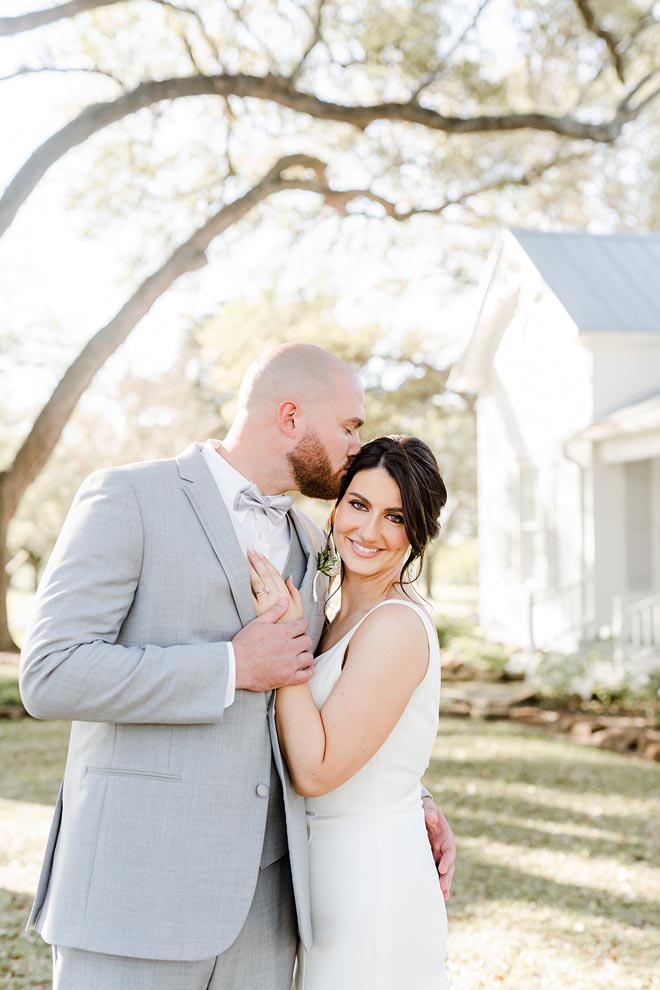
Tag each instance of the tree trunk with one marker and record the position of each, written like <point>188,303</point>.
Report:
<point>189,256</point>
<point>6,512</point>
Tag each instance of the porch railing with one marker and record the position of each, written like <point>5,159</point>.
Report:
<point>640,622</point>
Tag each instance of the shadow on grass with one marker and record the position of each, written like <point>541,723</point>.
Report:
<point>528,809</point>
<point>481,880</point>
<point>573,770</point>
<point>537,793</point>
<point>25,960</point>
<point>627,850</point>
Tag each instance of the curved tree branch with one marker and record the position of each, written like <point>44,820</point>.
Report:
<point>39,18</point>
<point>612,43</point>
<point>339,199</point>
<point>314,39</point>
<point>280,90</point>
<point>29,70</point>
<point>19,23</point>
<point>188,257</point>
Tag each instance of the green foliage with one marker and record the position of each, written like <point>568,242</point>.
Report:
<point>600,672</point>
<point>451,629</point>
<point>9,693</point>
<point>468,644</point>
<point>139,419</point>
<point>456,563</point>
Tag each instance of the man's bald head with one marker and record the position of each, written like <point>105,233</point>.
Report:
<point>298,421</point>
<point>301,373</point>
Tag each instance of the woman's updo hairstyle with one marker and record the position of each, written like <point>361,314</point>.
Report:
<point>410,462</point>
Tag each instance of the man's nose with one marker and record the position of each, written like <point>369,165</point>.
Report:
<point>355,446</point>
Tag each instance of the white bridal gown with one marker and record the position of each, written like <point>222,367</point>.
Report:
<point>378,915</point>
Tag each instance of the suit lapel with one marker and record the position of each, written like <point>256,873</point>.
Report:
<point>205,499</point>
<point>314,584</point>
<point>303,535</point>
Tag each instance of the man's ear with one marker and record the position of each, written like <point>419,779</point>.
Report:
<point>287,419</point>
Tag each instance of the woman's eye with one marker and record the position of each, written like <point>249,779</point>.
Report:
<point>395,517</point>
<point>357,505</point>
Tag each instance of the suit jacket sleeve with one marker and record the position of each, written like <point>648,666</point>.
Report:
<point>72,666</point>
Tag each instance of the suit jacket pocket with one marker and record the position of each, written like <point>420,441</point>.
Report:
<point>121,772</point>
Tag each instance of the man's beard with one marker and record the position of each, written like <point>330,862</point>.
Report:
<point>312,469</point>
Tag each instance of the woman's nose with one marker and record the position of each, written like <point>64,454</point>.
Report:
<point>369,529</point>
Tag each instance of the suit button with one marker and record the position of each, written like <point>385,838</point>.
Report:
<point>262,790</point>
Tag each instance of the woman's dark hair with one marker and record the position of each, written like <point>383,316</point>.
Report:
<point>410,462</point>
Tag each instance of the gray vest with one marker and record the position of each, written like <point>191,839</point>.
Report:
<point>275,843</point>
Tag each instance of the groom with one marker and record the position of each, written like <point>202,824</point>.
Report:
<point>177,855</point>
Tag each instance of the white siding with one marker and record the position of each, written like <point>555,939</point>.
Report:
<point>626,369</point>
<point>530,499</point>
<point>609,538</point>
<point>639,526</point>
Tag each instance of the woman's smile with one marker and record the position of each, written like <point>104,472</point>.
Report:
<point>361,550</point>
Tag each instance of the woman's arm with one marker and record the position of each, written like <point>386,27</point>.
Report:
<point>387,660</point>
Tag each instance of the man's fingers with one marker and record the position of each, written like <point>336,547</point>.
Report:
<point>275,612</point>
<point>298,628</point>
<point>445,865</point>
<point>445,881</point>
<point>304,646</point>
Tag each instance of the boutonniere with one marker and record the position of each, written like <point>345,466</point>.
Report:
<point>327,559</point>
<point>327,563</point>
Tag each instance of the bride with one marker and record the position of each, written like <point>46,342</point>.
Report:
<point>358,737</point>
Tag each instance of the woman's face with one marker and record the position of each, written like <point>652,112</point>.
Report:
<point>368,527</point>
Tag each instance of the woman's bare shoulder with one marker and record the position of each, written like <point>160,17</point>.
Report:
<point>394,629</point>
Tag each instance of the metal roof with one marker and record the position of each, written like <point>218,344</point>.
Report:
<point>604,281</point>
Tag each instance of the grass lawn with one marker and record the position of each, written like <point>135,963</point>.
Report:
<point>556,887</point>
<point>9,685</point>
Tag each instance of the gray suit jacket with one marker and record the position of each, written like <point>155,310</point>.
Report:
<point>169,805</point>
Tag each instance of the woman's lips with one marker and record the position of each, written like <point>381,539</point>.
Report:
<point>360,550</point>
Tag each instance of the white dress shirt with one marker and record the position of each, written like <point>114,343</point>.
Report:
<point>253,529</point>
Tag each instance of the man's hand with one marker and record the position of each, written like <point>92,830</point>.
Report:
<point>442,842</point>
<point>270,653</point>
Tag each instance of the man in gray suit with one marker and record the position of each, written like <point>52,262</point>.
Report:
<point>177,855</point>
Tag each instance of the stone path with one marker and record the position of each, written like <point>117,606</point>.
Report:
<point>628,734</point>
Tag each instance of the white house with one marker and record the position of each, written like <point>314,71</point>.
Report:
<point>564,361</point>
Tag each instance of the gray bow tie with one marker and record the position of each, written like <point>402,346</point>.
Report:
<point>275,506</point>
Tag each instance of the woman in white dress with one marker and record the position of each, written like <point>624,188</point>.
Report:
<point>358,737</point>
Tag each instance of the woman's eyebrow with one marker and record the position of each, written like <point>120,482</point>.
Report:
<point>394,508</point>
